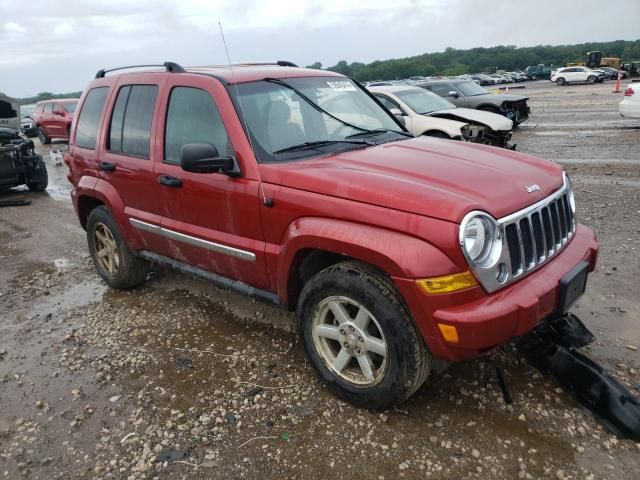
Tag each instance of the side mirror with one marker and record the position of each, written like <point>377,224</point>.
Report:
<point>453,93</point>
<point>204,158</point>
<point>397,112</point>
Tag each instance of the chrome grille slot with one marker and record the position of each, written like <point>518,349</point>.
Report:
<point>538,235</point>
<point>513,241</point>
<point>527,243</point>
<point>548,232</point>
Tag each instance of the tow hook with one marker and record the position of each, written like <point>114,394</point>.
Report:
<point>551,348</point>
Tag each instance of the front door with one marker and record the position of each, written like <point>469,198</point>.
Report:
<point>211,219</point>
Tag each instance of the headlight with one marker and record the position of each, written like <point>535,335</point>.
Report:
<point>480,239</point>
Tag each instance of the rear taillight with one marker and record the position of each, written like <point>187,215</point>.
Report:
<point>629,92</point>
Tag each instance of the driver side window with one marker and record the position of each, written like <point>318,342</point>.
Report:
<point>387,102</point>
<point>193,117</point>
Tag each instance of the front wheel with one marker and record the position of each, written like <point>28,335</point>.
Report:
<point>40,182</point>
<point>591,79</point>
<point>561,81</point>
<point>437,135</point>
<point>534,77</point>
<point>359,336</point>
<point>115,263</point>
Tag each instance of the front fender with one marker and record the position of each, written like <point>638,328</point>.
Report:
<point>396,253</point>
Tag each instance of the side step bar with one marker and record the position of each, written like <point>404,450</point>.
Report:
<point>217,279</point>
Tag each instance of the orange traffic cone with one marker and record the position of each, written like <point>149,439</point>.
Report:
<point>617,90</point>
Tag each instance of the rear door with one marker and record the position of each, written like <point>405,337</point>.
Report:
<point>212,219</point>
<point>47,116</point>
<point>58,122</point>
<point>126,157</point>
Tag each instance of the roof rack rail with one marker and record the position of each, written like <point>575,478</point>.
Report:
<point>280,63</point>
<point>169,66</point>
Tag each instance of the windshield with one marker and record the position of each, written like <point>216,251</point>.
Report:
<point>423,101</point>
<point>470,89</point>
<point>70,107</point>
<point>278,118</point>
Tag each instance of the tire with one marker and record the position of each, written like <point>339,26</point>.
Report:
<point>592,79</point>
<point>435,134</point>
<point>534,77</point>
<point>41,184</point>
<point>352,287</point>
<point>490,109</point>
<point>118,267</point>
<point>42,136</point>
<point>561,81</point>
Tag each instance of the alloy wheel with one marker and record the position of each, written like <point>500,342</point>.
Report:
<point>106,249</point>
<point>349,340</point>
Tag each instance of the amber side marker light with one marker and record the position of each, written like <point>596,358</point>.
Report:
<point>449,333</point>
<point>447,283</point>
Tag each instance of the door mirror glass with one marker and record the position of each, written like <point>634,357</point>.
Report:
<point>204,158</point>
<point>396,111</point>
<point>453,93</point>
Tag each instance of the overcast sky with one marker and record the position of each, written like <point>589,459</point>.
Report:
<point>58,45</point>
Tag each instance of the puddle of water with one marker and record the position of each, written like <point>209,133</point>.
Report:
<point>77,295</point>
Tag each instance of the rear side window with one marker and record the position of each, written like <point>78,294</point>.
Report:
<point>87,129</point>
<point>192,117</point>
<point>130,131</point>
<point>48,107</point>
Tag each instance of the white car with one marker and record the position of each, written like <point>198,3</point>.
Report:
<point>566,75</point>
<point>630,104</point>
<point>426,113</point>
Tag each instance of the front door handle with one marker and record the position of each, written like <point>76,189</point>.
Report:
<point>107,167</point>
<point>170,181</point>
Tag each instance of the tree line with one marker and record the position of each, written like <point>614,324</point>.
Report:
<point>475,60</point>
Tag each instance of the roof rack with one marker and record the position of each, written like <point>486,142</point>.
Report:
<point>280,63</point>
<point>169,66</point>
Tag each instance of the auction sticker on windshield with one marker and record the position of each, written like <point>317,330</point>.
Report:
<point>342,86</point>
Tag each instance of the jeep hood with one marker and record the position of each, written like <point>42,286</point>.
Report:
<point>492,120</point>
<point>433,177</point>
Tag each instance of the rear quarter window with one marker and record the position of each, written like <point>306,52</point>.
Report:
<point>48,108</point>
<point>87,129</point>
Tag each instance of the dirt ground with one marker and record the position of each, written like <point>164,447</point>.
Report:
<point>180,379</point>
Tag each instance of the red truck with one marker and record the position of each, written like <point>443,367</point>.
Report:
<point>299,187</point>
<point>53,118</point>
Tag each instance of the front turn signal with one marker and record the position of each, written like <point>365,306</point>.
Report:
<point>447,283</point>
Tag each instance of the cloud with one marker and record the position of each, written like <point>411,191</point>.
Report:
<point>57,46</point>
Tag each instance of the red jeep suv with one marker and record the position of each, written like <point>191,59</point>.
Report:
<point>298,186</point>
<point>53,118</point>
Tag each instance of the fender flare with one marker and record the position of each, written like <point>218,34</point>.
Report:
<point>396,253</point>
<point>109,196</point>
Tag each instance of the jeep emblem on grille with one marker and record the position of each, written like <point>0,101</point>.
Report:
<point>532,188</point>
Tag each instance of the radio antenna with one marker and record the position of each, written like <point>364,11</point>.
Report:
<point>244,118</point>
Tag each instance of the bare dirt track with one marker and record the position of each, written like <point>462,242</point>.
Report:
<point>180,379</point>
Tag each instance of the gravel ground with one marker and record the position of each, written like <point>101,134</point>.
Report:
<point>180,379</point>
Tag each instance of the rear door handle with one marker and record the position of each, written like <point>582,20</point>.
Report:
<point>170,181</point>
<point>107,167</point>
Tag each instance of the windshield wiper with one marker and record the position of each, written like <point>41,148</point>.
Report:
<point>320,143</point>
<point>378,131</point>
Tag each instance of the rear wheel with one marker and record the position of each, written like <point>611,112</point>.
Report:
<point>113,260</point>
<point>359,336</point>
<point>42,136</point>
<point>561,81</point>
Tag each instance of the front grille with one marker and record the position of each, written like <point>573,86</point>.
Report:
<point>537,234</point>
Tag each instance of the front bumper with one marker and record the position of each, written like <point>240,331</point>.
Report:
<point>486,321</point>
